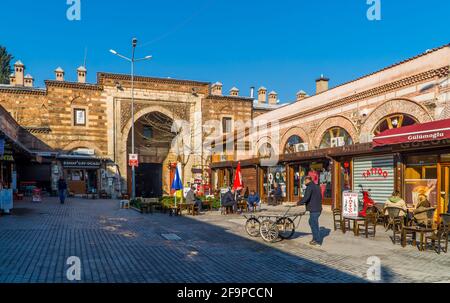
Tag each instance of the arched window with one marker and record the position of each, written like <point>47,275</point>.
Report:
<point>265,151</point>
<point>293,145</point>
<point>394,121</point>
<point>335,137</point>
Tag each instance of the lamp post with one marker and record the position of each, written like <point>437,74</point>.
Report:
<point>132,60</point>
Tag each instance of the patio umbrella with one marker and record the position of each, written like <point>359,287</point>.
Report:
<point>177,184</point>
<point>237,184</point>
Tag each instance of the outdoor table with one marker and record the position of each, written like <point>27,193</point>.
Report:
<point>416,229</point>
<point>355,223</point>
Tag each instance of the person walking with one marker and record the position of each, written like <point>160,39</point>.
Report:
<point>313,201</point>
<point>62,187</point>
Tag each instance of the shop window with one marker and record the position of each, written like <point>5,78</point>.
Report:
<point>79,117</point>
<point>294,145</point>
<point>335,137</point>
<point>275,175</point>
<point>320,172</point>
<point>421,179</point>
<point>394,121</point>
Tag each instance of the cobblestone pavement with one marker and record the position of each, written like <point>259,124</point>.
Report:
<point>117,245</point>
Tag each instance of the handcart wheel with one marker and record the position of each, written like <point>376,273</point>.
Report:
<point>269,231</point>
<point>286,227</point>
<point>252,227</point>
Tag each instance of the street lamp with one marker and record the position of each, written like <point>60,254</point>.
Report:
<point>132,60</point>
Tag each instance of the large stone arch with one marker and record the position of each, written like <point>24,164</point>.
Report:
<point>122,154</point>
<point>141,113</point>
<point>335,121</point>
<point>295,130</point>
<point>83,144</point>
<point>394,106</point>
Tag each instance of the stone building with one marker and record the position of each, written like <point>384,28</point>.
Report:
<point>329,135</point>
<point>88,126</point>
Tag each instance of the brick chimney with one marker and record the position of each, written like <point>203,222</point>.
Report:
<point>273,98</point>
<point>81,73</point>
<point>29,81</point>
<point>216,89</point>
<point>59,74</point>
<point>19,69</point>
<point>12,79</point>
<point>322,84</point>
<point>301,95</point>
<point>234,92</point>
<point>262,95</point>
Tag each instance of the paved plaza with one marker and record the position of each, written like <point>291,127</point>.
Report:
<point>118,245</point>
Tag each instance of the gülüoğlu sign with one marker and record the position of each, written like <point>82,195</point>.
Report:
<point>426,132</point>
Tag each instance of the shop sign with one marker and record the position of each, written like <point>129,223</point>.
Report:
<point>376,172</point>
<point>81,163</point>
<point>350,204</point>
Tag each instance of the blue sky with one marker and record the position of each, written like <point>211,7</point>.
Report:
<point>284,45</point>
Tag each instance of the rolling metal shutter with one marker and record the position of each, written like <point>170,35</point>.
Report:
<point>376,174</point>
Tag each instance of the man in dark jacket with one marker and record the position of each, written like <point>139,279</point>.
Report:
<point>62,187</point>
<point>313,201</point>
<point>229,199</point>
<point>276,196</point>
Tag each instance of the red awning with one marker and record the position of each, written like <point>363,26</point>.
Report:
<point>436,130</point>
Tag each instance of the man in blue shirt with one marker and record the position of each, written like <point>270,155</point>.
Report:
<point>253,200</point>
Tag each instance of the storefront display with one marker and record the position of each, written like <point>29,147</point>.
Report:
<point>82,175</point>
<point>319,171</point>
<point>421,179</point>
<point>275,175</point>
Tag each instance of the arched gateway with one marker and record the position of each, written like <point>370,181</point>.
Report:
<point>157,104</point>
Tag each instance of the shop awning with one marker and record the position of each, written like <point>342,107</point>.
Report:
<point>431,131</point>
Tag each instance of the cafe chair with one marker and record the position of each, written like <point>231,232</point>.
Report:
<point>394,221</point>
<point>439,239</point>
<point>337,219</point>
<point>369,224</point>
<point>425,217</point>
<point>381,217</point>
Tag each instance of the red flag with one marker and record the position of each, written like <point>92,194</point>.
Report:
<point>237,185</point>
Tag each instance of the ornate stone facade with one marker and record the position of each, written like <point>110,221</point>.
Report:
<point>418,87</point>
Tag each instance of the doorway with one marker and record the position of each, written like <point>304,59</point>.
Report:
<point>445,187</point>
<point>149,180</point>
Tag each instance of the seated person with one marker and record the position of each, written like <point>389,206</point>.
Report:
<point>229,199</point>
<point>396,201</point>
<point>253,200</point>
<point>420,213</point>
<point>191,198</point>
<point>275,196</point>
<point>423,203</point>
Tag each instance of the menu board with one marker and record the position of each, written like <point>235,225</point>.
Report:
<point>350,204</point>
